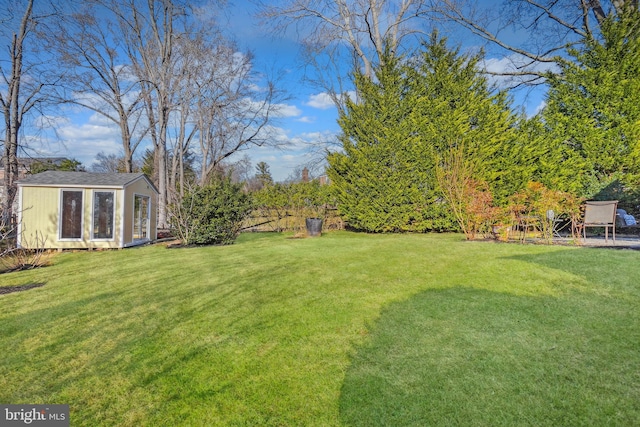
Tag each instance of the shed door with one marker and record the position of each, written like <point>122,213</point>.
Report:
<point>141,217</point>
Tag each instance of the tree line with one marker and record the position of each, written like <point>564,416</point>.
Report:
<point>163,71</point>
<point>421,111</point>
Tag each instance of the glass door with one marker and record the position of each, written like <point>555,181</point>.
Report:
<point>141,220</point>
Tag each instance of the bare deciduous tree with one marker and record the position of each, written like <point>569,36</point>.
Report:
<point>113,163</point>
<point>99,78</point>
<point>235,110</point>
<point>27,85</point>
<point>532,34</point>
<point>194,85</point>
<point>150,29</point>
<point>335,32</point>
<point>191,54</point>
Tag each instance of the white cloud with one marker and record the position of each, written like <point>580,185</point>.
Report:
<point>88,132</point>
<point>51,121</point>
<point>324,101</point>
<point>293,151</point>
<point>351,94</point>
<point>306,119</point>
<point>277,110</point>
<point>540,107</point>
<point>284,110</point>
<point>321,101</point>
<point>82,141</point>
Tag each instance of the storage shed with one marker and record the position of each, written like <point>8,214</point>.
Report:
<point>82,210</point>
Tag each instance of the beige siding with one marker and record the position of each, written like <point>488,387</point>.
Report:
<point>128,214</point>
<point>40,217</point>
<point>116,242</point>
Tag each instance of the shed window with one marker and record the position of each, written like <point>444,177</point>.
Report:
<point>71,217</point>
<point>103,210</point>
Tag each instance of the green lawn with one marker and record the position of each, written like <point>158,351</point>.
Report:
<point>346,329</point>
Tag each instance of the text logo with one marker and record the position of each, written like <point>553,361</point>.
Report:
<point>34,415</point>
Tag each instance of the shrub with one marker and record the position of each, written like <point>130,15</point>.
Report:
<point>211,215</point>
<point>469,198</point>
<point>472,205</point>
<point>13,258</point>
<point>536,200</point>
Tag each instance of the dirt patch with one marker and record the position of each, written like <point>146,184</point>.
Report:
<point>175,244</point>
<point>11,289</point>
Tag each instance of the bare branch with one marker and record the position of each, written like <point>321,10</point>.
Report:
<point>541,30</point>
<point>28,87</point>
<point>351,29</point>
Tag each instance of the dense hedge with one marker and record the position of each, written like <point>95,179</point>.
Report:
<point>212,214</point>
<point>395,134</point>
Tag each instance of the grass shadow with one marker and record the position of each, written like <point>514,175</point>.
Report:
<point>464,356</point>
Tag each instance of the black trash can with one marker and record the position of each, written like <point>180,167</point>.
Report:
<point>314,227</point>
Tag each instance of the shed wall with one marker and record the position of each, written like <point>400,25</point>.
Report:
<point>39,209</point>
<point>40,218</point>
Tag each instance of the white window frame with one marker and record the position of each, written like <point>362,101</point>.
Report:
<point>60,215</point>
<point>93,216</point>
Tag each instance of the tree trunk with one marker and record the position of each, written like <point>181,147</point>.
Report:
<point>13,118</point>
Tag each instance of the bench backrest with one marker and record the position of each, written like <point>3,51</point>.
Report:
<point>600,212</point>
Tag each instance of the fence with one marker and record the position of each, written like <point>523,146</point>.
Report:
<point>289,219</point>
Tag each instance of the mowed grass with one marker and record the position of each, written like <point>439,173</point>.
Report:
<point>346,329</point>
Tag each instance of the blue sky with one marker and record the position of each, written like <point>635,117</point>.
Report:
<point>308,120</point>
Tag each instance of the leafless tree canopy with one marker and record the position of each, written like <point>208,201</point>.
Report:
<point>335,32</point>
<point>98,76</point>
<point>532,34</point>
<point>166,60</point>
<point>27,83</point>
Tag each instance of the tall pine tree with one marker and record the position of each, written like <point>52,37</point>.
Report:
<point>593,108</point>
<point>401,124</point>
<point>382,178</point>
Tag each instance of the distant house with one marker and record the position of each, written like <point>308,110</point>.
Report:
<point>25,163</point>
<point>72,210</point>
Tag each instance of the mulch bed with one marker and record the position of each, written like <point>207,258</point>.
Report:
<point>163,234</point>
<point>11,289</point>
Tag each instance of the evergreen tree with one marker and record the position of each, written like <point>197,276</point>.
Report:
<point>593,108</point>
<point>456,107</point>
<point>263,175</point>
<point>381,179</point>
<point>396,131</point>
<point>68,165</point>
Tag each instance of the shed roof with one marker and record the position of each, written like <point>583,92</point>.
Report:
<point>82,179</point>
